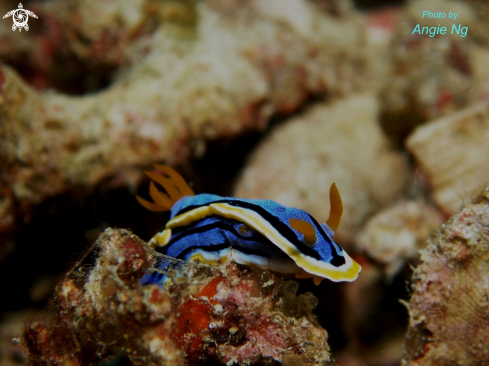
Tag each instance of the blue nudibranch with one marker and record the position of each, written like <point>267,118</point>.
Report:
<point>260,233</point>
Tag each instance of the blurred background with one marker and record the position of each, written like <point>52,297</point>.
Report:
<point>272,99</point>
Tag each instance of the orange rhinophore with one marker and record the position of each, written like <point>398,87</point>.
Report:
<point>336,209</point>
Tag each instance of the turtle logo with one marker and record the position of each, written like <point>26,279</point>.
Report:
<point>20,17</point>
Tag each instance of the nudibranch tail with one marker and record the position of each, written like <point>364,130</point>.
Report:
<point>317,280</point>
<point>175,187</point>
<point>336,209</point>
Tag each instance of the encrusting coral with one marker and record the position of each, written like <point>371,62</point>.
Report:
<point>449,307</point>
<point>225,314</point>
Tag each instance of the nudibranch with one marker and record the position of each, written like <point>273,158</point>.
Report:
<point>253,232</point>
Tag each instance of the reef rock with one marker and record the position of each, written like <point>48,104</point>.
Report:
<point>339,142</point>
<point>431,76</point>
<point>223,314</point>
<point>202,71</point>
<point>449,306</point>
<point>453,152</point>
<point>102,312</point>
<point>393,236</point>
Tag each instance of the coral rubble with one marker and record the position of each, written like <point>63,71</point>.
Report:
<point>225,314</point>
<point>393,236</point>
<point>223,71</point>
<point>430,77</point>
<point>452,152</point>
<point>103,311</point>
<point>449,307</point>
<point>340,142</point>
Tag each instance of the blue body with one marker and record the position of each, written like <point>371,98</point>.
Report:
<point>214,233</point>
<point>280,213</point>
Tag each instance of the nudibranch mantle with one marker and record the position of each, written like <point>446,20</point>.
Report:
<point>256,232</point>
